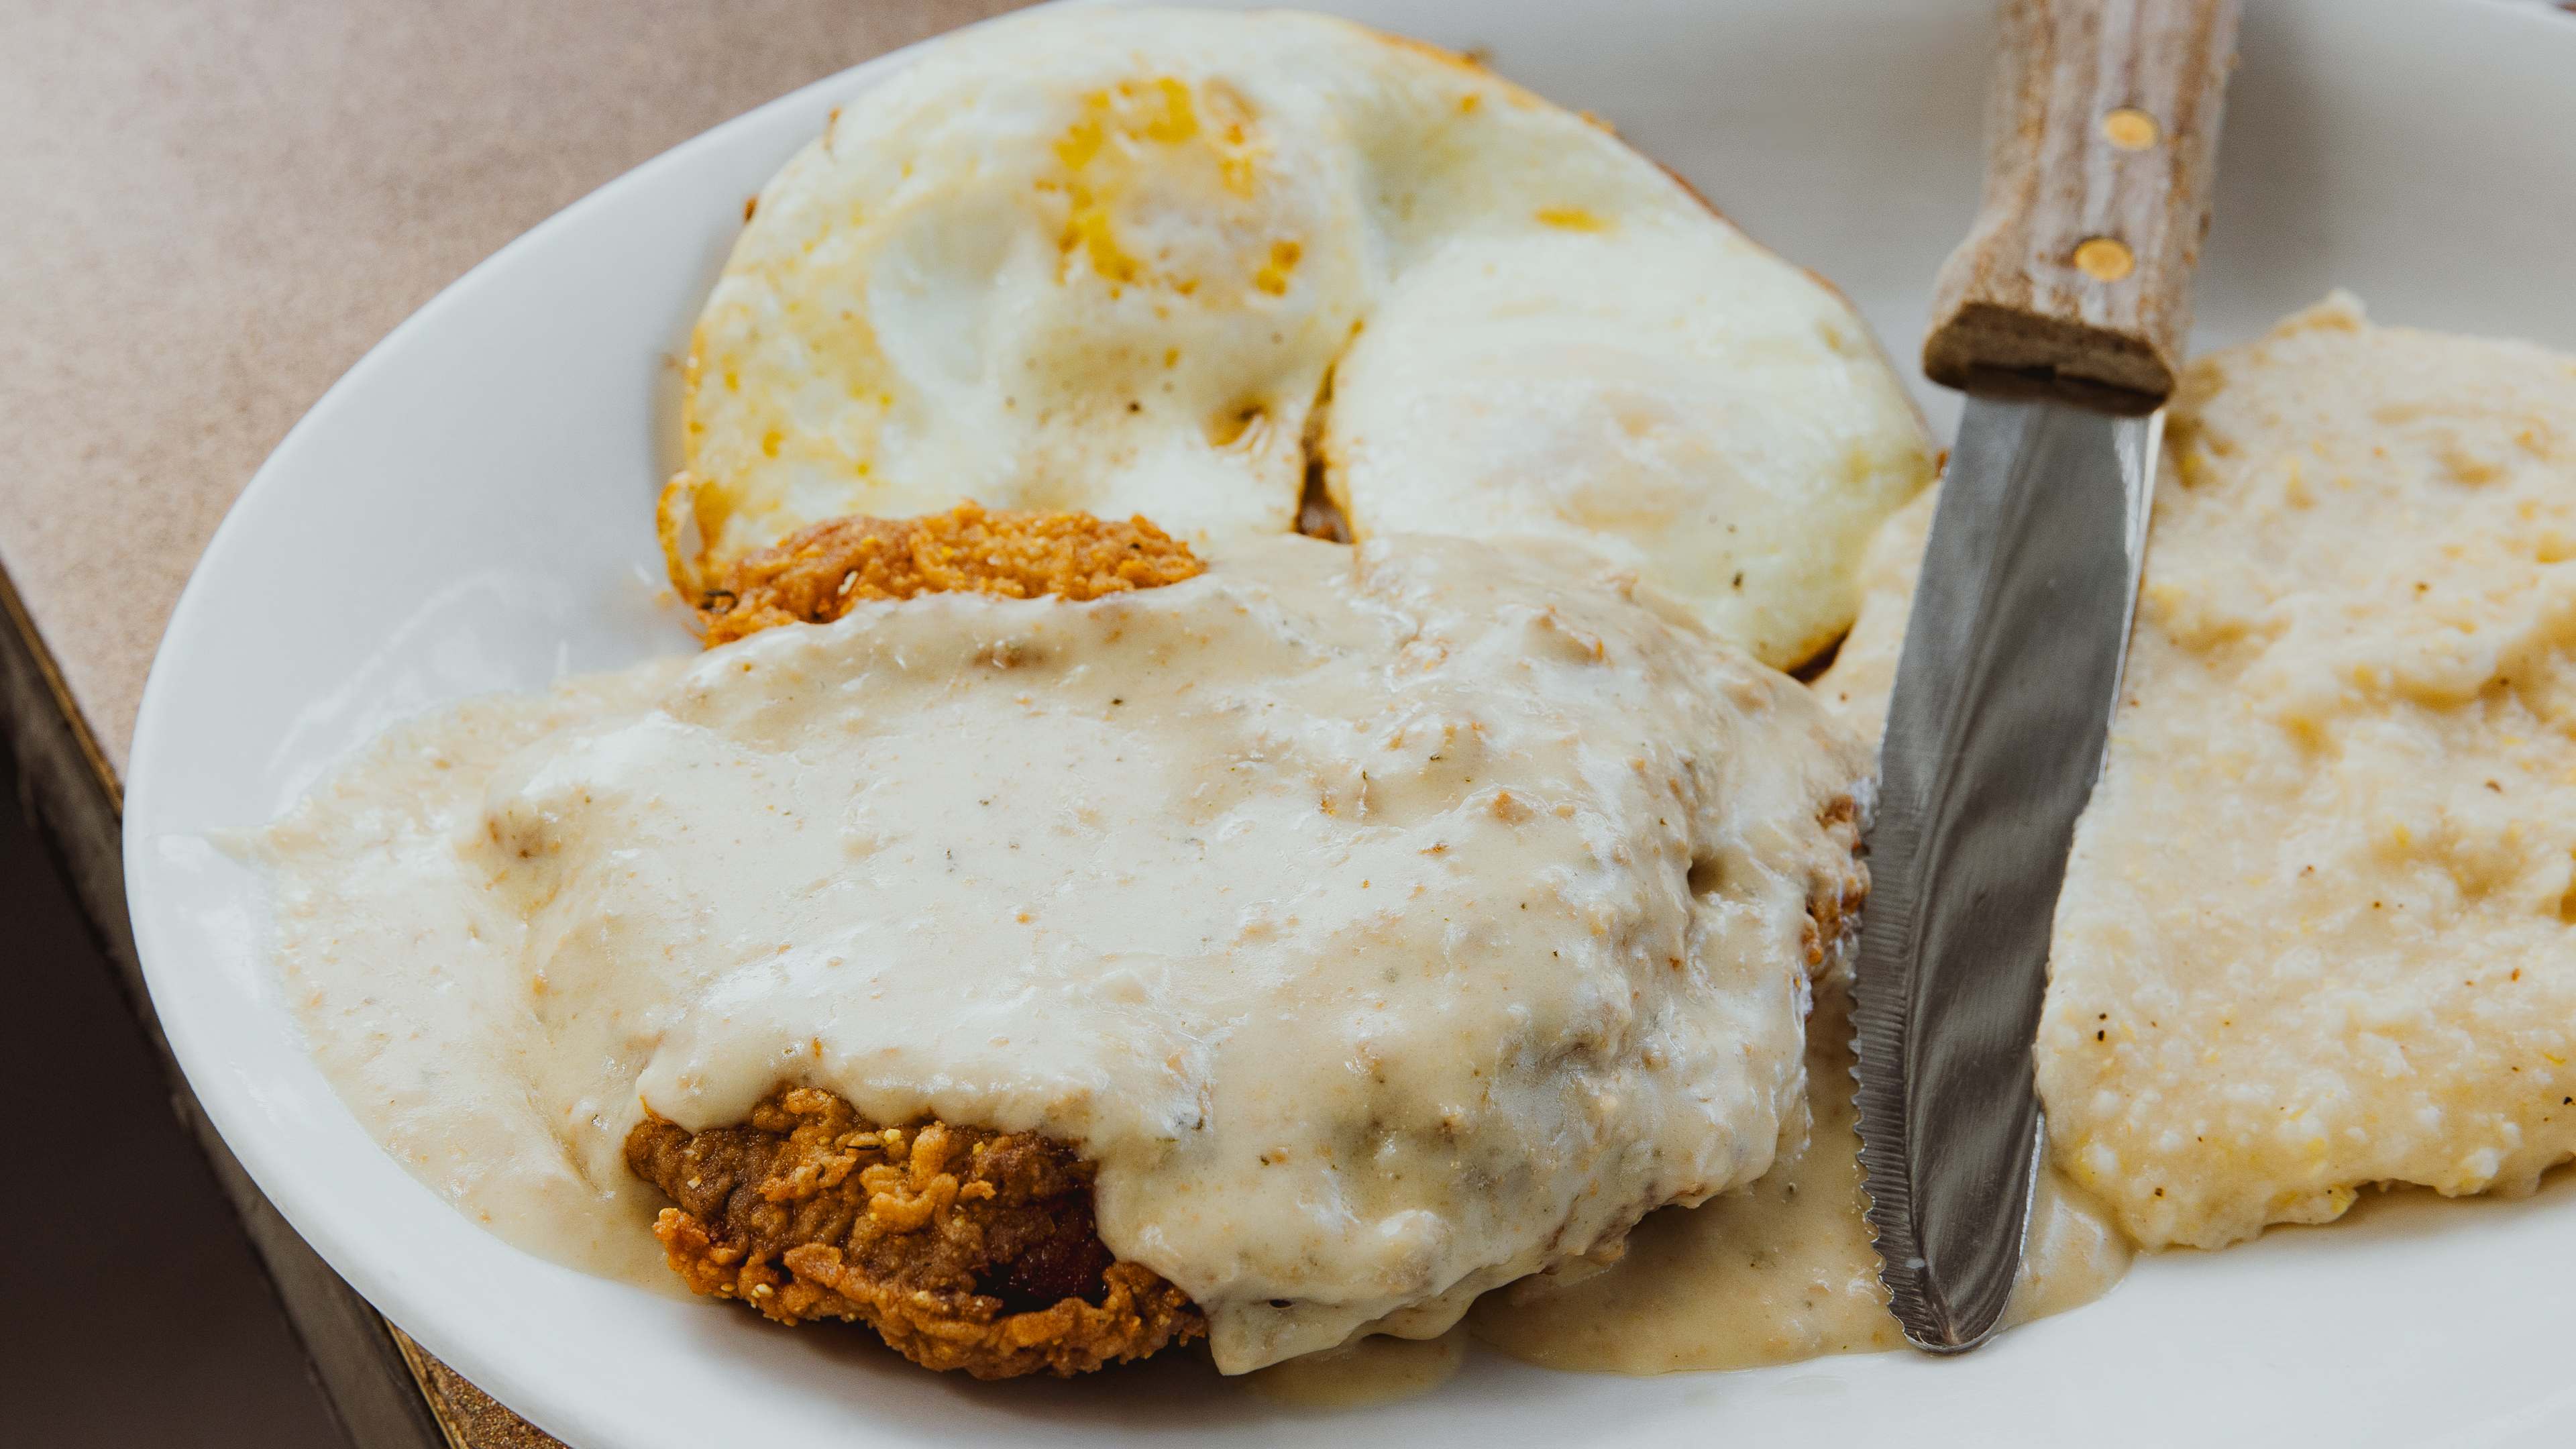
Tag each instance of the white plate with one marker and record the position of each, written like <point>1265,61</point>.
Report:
<point>468,510</point>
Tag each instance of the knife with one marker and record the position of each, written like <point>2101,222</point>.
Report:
<point>2063,317</point>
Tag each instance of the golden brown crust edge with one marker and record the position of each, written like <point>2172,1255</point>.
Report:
<point>818,573</point>
<point>963,1248</point>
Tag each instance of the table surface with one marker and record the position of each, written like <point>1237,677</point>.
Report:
<point>215,209</point>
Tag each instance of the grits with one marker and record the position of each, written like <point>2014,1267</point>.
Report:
<point>2319,926</point>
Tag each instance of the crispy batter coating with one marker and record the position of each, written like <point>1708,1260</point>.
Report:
<point>963,1248</point>
<point>1834,899</point>
<point>816,574</point>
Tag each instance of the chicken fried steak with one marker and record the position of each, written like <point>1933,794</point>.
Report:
<point>1288,955</point>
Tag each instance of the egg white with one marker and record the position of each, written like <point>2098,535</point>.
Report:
<point>1115,260</point>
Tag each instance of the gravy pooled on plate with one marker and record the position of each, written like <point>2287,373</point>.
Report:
<point>1381,925</point>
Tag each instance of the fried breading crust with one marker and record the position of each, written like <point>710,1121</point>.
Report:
<point>816,574</point>
<point>963,1248</point>
<point>1835,896</point>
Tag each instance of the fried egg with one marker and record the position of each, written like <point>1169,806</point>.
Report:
<point>1166,261</point>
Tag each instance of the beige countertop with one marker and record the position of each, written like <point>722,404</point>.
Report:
<point>213,210</point>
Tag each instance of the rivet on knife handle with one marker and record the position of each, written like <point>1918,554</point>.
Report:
<point>2101,132</point>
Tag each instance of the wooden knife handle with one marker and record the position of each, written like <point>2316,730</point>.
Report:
<point>2101,134</point>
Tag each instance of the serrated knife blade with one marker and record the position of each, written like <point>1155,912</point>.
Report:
<point>1995,735</point>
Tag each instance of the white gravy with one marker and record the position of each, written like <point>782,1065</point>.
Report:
<point>1384,925</point>
<point>1364,1372</point>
